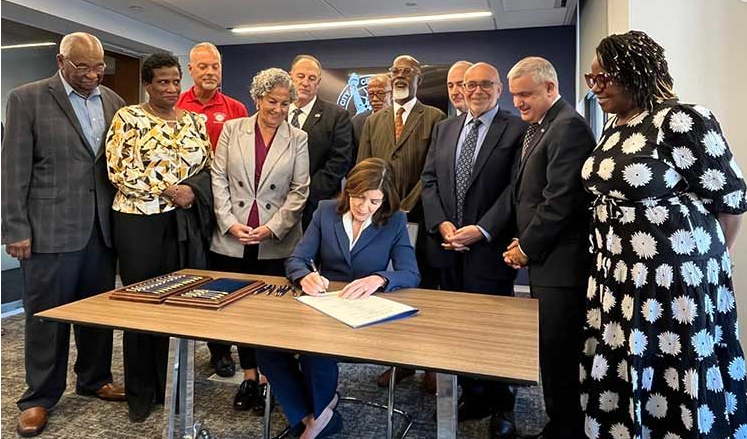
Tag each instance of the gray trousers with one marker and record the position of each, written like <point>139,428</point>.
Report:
<point>51,280</point>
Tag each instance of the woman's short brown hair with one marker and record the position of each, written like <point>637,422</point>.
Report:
<point>371,174</point>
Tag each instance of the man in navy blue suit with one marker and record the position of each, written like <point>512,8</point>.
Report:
<point>467,170</point>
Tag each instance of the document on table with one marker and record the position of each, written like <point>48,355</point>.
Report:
<point>357,313</point>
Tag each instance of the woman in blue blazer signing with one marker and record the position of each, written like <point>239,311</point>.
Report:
<point>351,239</point>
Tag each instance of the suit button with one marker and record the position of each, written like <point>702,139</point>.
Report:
<point>241,204</point>
<point>272,186</point>
<point>267,206</point>
<point>241,184</point>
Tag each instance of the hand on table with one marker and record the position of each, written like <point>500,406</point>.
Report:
<point>363,287</point>
<point>314,284</point>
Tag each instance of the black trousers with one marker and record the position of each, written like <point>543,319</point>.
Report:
<point>561,321</point>
<point>499,396</point>
<point>147,247</point>
<point>249,264</point>
<point>54,279</point>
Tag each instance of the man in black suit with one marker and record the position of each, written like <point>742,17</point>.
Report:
<point>467,169</point>
<point>552,216</point>
<point>56,219</point>
<point>329,130</point>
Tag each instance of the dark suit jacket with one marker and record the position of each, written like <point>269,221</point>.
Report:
<point>326,242</point>
<point>407,155</point>
<point>330,152</point>
<point>491,177</point>
<point>53,186</point>
<point>551,205</point>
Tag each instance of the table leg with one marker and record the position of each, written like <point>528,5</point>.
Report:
<point>446,406</point>
<point>180,390</point>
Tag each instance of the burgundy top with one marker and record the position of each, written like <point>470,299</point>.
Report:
<point>260,154</point>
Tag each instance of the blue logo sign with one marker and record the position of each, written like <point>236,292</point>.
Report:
<point>355,93</point>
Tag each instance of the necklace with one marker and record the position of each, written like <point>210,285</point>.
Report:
<point>621,122</point>
<point>155,113</point>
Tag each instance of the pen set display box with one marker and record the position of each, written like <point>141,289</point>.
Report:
<point>158,289</point>
<point>215,294</point>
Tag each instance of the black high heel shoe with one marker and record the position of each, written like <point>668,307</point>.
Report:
<point>247,395</point>
<point>259,403</point>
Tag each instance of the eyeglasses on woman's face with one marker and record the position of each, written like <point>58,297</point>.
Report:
<point>600,80</point>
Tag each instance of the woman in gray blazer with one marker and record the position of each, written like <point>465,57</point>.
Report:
<point>260,178</point>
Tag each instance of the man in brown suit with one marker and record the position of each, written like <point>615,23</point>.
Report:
<point>401,135</point>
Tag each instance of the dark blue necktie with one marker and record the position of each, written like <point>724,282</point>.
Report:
<point>464,167</point>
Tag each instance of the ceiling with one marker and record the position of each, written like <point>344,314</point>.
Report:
<point>211,20</point>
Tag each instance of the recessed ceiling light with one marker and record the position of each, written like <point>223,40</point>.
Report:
<point>360,23</point>
<point>22,46</point>
<point>410,4</point>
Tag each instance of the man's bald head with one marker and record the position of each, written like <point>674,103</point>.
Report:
<point>81,61</point>
<point>482,88</point>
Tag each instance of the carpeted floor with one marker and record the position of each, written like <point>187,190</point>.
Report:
<point>80,417</point>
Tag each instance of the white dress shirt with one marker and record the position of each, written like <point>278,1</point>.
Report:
<point>347,224</point>
<point>305,111</point>
<point>408,109</point>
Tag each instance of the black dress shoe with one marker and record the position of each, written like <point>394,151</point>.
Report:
<point>291,432</point>
<point>502,426</point>
<point>246,397</point>
<point>468,409</point>
<point>259,403</point>
<point>224,366</point>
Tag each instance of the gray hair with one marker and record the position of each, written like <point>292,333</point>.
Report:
<point>204,45</point>
<point>270,78</point>
<point>540,69</point>
<point>69,40</point>
<point>460,64</point>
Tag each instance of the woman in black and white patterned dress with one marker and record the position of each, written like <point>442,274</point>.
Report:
<point>662,357</point>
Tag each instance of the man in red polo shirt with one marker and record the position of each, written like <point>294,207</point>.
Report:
<point>204,97</point>
<point>215,109</point>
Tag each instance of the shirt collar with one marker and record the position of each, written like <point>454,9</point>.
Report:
<point>306,108</point>
<point>407,105</point>
<point>69,89</point>
<point>192,97</point>
<point>551,105</point>
<point>486,118</point>
<point>347,222</point>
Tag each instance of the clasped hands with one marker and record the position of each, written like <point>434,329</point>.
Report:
<point>458,239</point>
<point>314,284</point>
<point>514,257</point>
<point>250,235</point>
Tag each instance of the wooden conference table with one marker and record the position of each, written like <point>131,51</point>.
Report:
<point>454,333</point>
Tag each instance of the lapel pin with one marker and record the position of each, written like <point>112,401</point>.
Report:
<point>317,115</point>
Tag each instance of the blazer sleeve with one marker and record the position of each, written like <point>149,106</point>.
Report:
<point>326,181</point>
<point>411,199</point>
<point>566,154</point>
<point>17,165</point>
<point>224,216</point>
<point>432,207</point>
<point>297,265</point>
<point>285,218</point>
<point>404,273</point>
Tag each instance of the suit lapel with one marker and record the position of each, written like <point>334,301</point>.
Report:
<point>246,148</point>
<point>58,92</point>
<point>492,139</point>
<point>451,138</point>
<point>316,113</point>
<point>413,120</point>
<point>549,117</point>
<point>342,238</point>
<point>280,145</point>
<point>366,237</point>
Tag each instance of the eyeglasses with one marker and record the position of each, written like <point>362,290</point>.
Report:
<point>484,85</point>
<point>100,68</point>
<point>379,94</point>
<point>600,79</point>
<point>405,71</point>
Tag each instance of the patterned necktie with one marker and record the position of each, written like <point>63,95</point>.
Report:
<point>398,123</point>
<point>294,121</point>
<point>528,136</point>
<point>464,167</point>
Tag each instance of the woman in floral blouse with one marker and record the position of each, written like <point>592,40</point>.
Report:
<point>158,159</point>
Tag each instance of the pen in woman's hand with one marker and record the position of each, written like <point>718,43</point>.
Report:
<point>313,268</point>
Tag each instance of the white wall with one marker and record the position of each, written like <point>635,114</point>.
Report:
<point>706,48</point>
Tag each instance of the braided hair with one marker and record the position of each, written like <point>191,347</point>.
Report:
<point>638,64</point>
